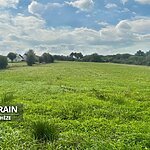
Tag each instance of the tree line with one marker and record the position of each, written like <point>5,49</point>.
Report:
<point>30,57</point>
<point>139,58</point>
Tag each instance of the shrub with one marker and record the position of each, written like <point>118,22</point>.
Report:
<point>3,62</point>
<point>44,131</point>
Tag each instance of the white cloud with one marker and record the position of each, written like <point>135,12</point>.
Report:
<point>111,5</point>
<point>16,32</point>
<point>143,1</point>
<point>38,8</point>
<point>29,22</point>
<point>83,5</point>
<point>54,5</point>
<point>124,1</point>
<point>141,26</point>
<point>35,8</point>
<point>139,1</point>
<point>126,31</point>
<point>9,3</point>
<point>125,10</point>
<point>23,32</point>
<point>102,23</point>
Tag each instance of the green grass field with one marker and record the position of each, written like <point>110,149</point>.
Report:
<point>93,106</point>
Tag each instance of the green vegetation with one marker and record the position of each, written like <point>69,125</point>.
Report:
<point>47,58</point>
<point>7,98</point>
<point>11,56</point>
<point>139,58</point>
<point>3,62</point>
<point>30,58</point>
<point>77,105</point>
<point>43,131</point>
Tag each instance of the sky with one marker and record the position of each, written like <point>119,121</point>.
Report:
<point>63,26</point>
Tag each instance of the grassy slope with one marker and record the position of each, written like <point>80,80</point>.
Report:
<point>96,106</point>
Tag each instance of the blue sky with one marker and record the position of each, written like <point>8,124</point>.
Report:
<point>88,26</point>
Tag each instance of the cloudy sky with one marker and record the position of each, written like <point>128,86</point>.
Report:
<point>88,26</point>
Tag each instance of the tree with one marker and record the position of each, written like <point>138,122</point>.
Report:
<point>72,54</point>
<point>148,53</point>
<point>3,62</point>
<point>30,58</point>
<point>76,55</point>
<point>47,58</point>
<point>79,55</point>
<point>148,60</point>
<point>11,56</point>
<point>41,59</point>
<point>139,53</point>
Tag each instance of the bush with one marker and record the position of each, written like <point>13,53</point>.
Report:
<point>43,131</point>
<point>3,62</point>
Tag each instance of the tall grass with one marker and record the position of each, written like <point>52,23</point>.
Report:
<point>43,131</point>
<point>97,106</point>
<point>7,97</point>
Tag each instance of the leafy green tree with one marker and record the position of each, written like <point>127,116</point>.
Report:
<point>93,58</point>
<point>148,53</point>
<point>80,55</point>
<point>139,53</point>
<point>47,58</point>
<point>148,60</point>
<point>76,55</point>
<point>3,62</point>
<point>41,59</point>
<point>11,56</point>
<point>30,58</point>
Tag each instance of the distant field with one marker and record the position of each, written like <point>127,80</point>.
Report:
<point>95,106</point>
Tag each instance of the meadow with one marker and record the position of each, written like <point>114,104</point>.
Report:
<point>89,106</point>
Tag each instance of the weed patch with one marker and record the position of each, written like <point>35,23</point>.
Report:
<point>44,131</point>
<point>7,97</point>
